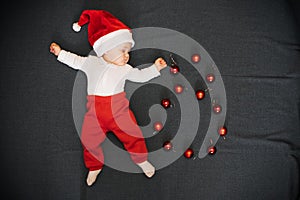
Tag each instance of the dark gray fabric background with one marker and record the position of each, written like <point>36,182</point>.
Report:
<point>255,45</point>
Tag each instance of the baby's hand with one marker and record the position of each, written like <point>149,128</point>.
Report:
<point>160,63</point>
<point>55,48</point>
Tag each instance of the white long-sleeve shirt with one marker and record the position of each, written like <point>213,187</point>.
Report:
<point>105,79</point>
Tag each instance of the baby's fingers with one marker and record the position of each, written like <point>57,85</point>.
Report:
<point>162,62</point>
<point>51,49</point>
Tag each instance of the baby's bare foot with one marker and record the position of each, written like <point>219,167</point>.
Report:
<point>147,168</point>
<point>92,176</point>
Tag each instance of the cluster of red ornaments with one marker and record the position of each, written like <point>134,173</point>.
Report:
<point>211,150</point>
<point>200,94</point>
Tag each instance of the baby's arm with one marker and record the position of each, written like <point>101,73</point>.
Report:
<point>146,74</point>
<point>68,58</point>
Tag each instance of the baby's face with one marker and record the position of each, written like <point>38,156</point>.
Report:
<point>118,55</point>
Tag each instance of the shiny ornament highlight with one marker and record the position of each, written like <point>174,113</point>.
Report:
<point>189,153</point>
<point>200,94</point>
<point>166,103</point>
<point>222,131</point>
<point>167,145</point>
<point>196,58</point>
<point>217,108</point>
<point>210,78</point>
<point>158,126</point>
<point>174,69</point>
<point>212,150</point>
<point>178,89</point>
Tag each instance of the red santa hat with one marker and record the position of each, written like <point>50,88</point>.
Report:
<point>105,31</point>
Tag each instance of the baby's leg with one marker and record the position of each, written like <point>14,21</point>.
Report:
<point>129,133</point>
<point>131,136</point>
<point>92,151</point>
<point>92,136</point>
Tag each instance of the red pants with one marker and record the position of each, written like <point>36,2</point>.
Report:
<point>105,114</point>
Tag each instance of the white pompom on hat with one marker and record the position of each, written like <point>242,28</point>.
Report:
<point>105,31</point>
<point>76,27</point>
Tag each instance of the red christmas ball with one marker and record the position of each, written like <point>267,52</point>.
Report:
<point>210,78</point>
<point>178,89</point>
<point>174,69</point>
<point>189,153</point>
<point>212,150</point>
<point>222,131</point>
<point>196,58</point>
<point>158,126</point>
<point>166,103</point>
<point>167,145</point>
<point>217,108</point>
<point>200,94</point>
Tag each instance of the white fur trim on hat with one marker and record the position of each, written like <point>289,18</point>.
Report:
<point>76,27</point>
<point>111,40</point>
